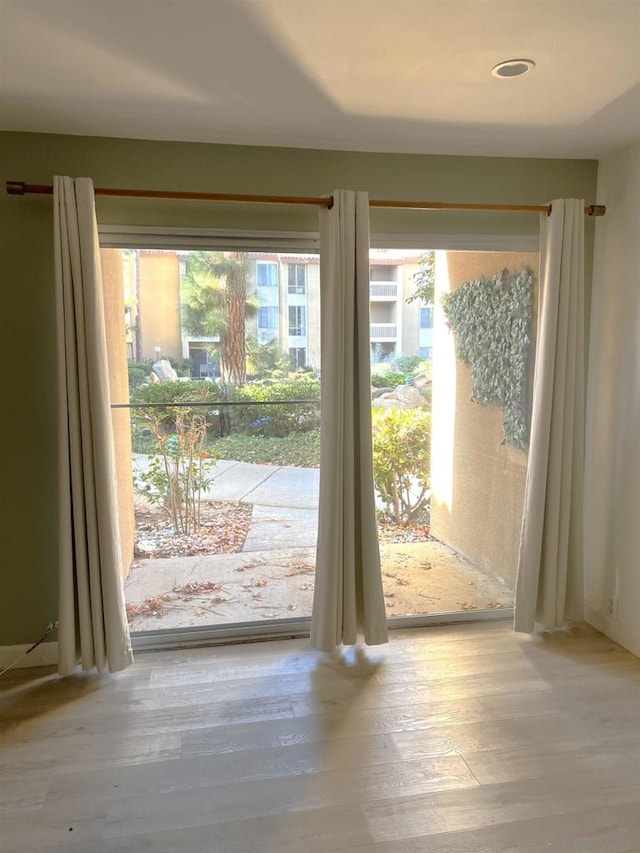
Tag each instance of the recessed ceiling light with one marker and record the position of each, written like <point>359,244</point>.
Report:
<point>513,68</point>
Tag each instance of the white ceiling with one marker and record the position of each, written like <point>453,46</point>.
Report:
<point>368,75</point>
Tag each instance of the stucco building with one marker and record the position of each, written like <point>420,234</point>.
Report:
<point>285,291</point>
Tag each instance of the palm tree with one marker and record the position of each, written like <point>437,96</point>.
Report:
<point>215,304</point>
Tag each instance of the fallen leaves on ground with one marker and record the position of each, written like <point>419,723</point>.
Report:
<point>260,583</point>
<point>252,564</point>
<point>201,589</point>
<point>155,606</point>
<point>393,533</point>
<point>223,530</point>
<point>198,587</point>
<point>300,569</point>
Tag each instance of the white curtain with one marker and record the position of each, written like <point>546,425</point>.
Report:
<point>348,594</point>
<point>92,623</point>
<point>549,587</point>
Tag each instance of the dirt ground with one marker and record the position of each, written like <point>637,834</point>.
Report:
<point>418,578</point>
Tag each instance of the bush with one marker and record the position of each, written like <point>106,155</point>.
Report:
<point>277,420</point>
<point>177,475</point>
<point>192,390</point>
<point>406,363</point>
<point>383,380</point>
<point>402,461</point>
<point>183,366</point>
<point>164,417</point>
<point>138,373</point>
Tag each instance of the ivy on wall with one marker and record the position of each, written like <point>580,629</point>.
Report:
<point>491,318</point>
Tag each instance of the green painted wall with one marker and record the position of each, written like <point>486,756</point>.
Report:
<point>28,544</point>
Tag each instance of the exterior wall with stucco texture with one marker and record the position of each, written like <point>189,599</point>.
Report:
<point>482,513</point>
<point>113,289</point>
<point>159,304</point>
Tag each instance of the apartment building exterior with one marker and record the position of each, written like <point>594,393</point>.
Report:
<point>284,289</point>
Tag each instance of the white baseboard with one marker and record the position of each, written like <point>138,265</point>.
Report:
<point>622,634</point>
<point>45,654</point>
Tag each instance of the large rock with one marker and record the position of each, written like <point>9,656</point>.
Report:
<point>164,371</point>
<point>378,392</point>
<point>403,397</point>
<point>421,383</point>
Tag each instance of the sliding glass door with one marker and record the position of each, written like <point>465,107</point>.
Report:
<point>452,363</point>
<point>218,431</point>
<point>223,363</point>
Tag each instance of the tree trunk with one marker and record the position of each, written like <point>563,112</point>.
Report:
<point>232,342</point>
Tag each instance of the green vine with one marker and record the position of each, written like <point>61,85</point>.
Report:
<point>491,318</point>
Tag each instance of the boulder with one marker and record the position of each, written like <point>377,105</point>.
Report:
<point>378,392</point>
<point>422,383</point>
<point>164,371</point>
<point>402,397</point>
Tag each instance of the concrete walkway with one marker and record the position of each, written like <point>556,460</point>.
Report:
<point>273,576</point>
<point>284,500</point>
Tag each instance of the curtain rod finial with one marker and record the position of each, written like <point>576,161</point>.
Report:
<point>15,187</point>
<point>596,210</point>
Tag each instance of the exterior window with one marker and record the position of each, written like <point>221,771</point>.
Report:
<point>268,318</point>
<point>297,321</point>
<point>267,275</point>
<point>426,352</point>
<point>298,355</point>
<point>426,318</point>
<point>298,278</point>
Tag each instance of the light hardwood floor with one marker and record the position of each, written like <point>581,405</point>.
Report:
<point>448,740</point>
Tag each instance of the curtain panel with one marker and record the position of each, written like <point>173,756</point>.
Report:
<point>549,586</point>
<point>92,622</point>
<point>348,596</point>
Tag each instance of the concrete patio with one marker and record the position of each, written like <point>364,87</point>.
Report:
<point>272,577</point>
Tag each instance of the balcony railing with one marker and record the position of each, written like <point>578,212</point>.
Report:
<point>383,290</point>
<point>383,332</point>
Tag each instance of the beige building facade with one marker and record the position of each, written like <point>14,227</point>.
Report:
<point>285,291</point>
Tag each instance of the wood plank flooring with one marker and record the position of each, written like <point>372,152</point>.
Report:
<point>448,740</point>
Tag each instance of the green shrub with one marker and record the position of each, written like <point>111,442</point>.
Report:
<point>406,363</point>
<point>425,368</point>
<point>182,367</point>
<point>176,392</point>
<point>383,380</point>
<point>402,461</point>
<point>138,373</point>
<point>274,419</point>
<point>152,418</point>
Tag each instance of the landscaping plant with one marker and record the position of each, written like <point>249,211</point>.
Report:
<point>274,419</point>
<point>177,472</point>
<point>402,461</point>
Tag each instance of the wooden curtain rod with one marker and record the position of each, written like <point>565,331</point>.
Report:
<point>21,188</point>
